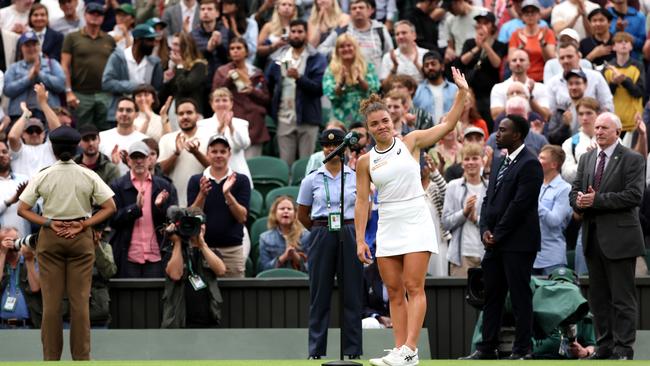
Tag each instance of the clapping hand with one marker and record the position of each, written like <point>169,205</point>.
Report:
<point>230,182</point>
<point>586,200</point>
<point>161,198</point>
<point>204,186</point>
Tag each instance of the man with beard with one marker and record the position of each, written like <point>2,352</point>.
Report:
<point>11,186</point>
<point>133,66</point>
<point>182,153</point>
<point>435,94</point>
<point>297,90</point>
<point>92,159</point>
<point>116,141</point>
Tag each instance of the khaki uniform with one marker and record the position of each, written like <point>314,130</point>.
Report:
<point>68,191</point>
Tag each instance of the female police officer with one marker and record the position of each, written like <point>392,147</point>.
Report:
<point>65,248</point>
<point>319,203</point>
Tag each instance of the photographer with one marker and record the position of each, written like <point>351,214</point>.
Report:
<point>19,284</point>
<point>191,298</point>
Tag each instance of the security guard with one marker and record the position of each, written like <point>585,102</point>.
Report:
<point>65,248</point>
<point>319,211</point>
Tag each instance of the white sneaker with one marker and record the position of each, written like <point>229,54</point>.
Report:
<point>380,361</point>
<point>403,357</point>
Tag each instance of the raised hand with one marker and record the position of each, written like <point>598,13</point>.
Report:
<point>459,79</point>
<point>41,93</point>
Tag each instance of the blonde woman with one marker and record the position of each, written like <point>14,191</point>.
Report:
<point>274,34</point>
<point>326,16</point>
<point>348,80</point>
<point>283,244</point>
<point>185,77</point>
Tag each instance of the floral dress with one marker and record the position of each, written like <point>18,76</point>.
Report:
<point>346,106</point>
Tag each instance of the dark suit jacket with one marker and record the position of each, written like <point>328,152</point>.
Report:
<point>173,16</point>
<point>52,44</point>
<point>510,212</point>
<point>373,292</point>
<point>616,205</point>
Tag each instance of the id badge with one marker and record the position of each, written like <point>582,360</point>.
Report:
<point>334,221</point>
<point>196,282</point>
<point>10,304</point>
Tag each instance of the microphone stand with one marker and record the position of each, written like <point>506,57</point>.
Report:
<point>339,277</point>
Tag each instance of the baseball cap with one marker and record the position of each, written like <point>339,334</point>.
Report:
<point>88,130</point>
<point>485,14</point>
<point>153,22</point>
<point>528,3</point>
<point>95,8</point>
<point>575,72</point>
<point>563,274</point>
<point>569,32</point>
<point>218,138</point>
<point>127,9</point>
<point>139,147</point>
<point>143,31</point>
<point>332,136</point>
<point>33,122</point>
<point>473,129</point>
<point>27,37</point>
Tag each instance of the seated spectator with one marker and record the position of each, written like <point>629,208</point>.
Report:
<point>554,212</point>
<point>191,298</point>
<point>250,96</point>
<point>21,77</point>
<point>534,140</point>
<point>103,270</point>
<point>407,58</point>
<point>124,22</point>
<point>142,201</point>
<point>406,84</point>
<point>15,17</point>
<point>275,34</point>
<point>376,307</point>
<point>71,21</point>
<point>471,117</point>
<point>51,41</point>
<point>459,27</point>
<point>626,78</point>
<point>472,135</point>
<point>116,141</point>
<point>397,102</point>
<point>148,122</point>
<point>22,307</point>
<point>325,17</point>
<point>434,186</point>
<point>538,42</point>
<point>234,18</point>
<point>626,18</point>
<point>597,48</point>
<point>92,158</point>
<point>129,67</point>
<point>572,15</point>
<point>183,16</point>
<point>234,129</point>
<point>11,186</point>
<point>185,79</point>
<point>435,94</point>
<point>225,196</point>
<point>461,211</point>
<point>348,80</point>
<point>284,244</point>
<point>553,67</point>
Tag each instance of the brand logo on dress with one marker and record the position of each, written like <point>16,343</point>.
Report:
<point>399,151</point>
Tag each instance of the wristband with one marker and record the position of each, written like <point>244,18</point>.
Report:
<point>47,223</point>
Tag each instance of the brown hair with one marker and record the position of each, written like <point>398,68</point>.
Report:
<point>397,94</point>
<point>37,6</point>
<point>372,104</point>
<point>590,103</point>
<point>556,153</point>
<point>293,238</point>
<point>471,149</point>
<point>189,51</point>
<point>406,80</point>
<point>622,37</point>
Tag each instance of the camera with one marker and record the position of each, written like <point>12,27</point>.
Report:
<point>186,223</point>
<point>29,241</point>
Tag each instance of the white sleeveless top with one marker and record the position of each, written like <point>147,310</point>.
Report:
<point>395,173</point>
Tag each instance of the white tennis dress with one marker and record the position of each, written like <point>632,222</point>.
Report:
<point>405,224</point>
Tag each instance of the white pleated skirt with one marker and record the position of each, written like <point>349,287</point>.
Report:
<point>405,227</point>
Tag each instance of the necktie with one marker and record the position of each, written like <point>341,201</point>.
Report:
<point>599,170</point>
<point>502,171</point>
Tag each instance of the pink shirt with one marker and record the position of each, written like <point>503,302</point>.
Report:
<point>144,245</point>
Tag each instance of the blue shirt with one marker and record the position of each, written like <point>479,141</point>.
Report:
<point>424,99</point>
<point>554,215</point>
<point>635,26</point>
<point>509,27</point>
<point>313,193</point>
<point>13,289</point>
<point>20,88</point>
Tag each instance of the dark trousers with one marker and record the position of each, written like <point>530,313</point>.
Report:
<point>65,266</point>
<point>323,262</point>
<point>503,272</point>
<point>145,270</point>
<point>612,299</point>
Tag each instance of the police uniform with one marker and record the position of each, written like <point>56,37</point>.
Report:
<point>321,191</point>
<point>66,265</point>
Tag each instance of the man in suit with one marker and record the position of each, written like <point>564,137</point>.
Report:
<point>607,191</point>
<point>182,17</point>
<point>510,232</point>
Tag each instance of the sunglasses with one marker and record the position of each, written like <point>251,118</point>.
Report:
<point>32,131</point>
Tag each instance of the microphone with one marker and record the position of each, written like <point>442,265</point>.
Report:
<point>352,138</point>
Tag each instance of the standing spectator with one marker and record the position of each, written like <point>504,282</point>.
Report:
<point>608,200</point>
<point>519,106</point>
<point>481,57</point>
<point>285,241</point>
<point>142,200</point>
<point>447,152</point>
<point>325,17</point>
<point>250,95</point>
<point>33,69</point>
<point>146,9</point>
<point>148,122</point>
<point>572,14</point>
<point>103,270</point>
<point>397,104</point>
<point>512,21</point>
<point>553,67</point>
<point>182,17</point>
<point>564,121</point>
<point>11,186</point>
<point>235,20</point>
<point>83,58</point>
<point>161,48</point>
<point>132,66</point>
<point>211,38</point>
<point>124,22</point>
<point>597,48</point>
<point>297,84</point>
<point>182,153</point>
<point>471,117</point>
<point>116,141</point>
<point>628,19</point>
<point>426,25</point>
<point>435,94</point>
<point>407,84</point>
<point>583,140</point>
<point>185,77</point>
<point>232,128</point>
<point>371,36</point>
<point>70,21</point>
<point>462,210</point>
<point>31,151</point>
<point>92,158</point>
<point>407,58</point>
<point>435,188</point>
<point>459,27</point>
<point>538,42</point>
<point>554,212</point>
<point>275,34</point>
<point>224,195</point>
<point>626,78</point>
<point>15,17</point>
<point>50,40</point>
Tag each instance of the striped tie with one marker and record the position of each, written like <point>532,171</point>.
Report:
<point>502,171</point>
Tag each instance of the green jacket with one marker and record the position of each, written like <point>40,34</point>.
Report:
<point>33,299</point>
<point>104,168</point>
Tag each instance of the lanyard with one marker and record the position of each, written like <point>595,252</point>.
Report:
<point>189,262</point>
<point>16,276</point>
<point>327,192</point>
